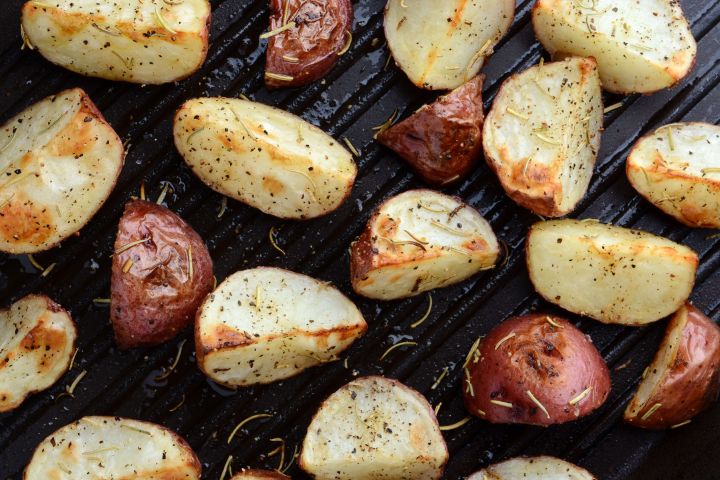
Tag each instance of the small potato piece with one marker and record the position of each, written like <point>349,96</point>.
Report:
<point>611,274</point>
<point>259,475</point>
<point>532,468</point>
<point>312,46</point>
<point>265,324</point>
<point>97,448</point>
<point>128,40</point>
<point>417,241</point>
<point>542,135</point>
<point>161,271</point>
<point>439,54</point>
<point>374,428</point>
<point>677,168</point>
<point>442,141</point>
<point>60,160</point>
<point>37,339</point>
<point>263,156</point>
<point>641,46</point>
<point>684,377</point>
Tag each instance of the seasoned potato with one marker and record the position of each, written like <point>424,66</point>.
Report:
<point>611,274</point>
<point>641,46</point>
<point>60,161</point>
<point>417,241</point>
<point>439,54</point>
<point>266,324</point>
<point>374,428</point>
<point>263,156</point>
<point>161,272</point>
<point>130,40</point>
<point>684,377</point>
<point>442,141</point>
<point>542,134</point>
<point>113,447</point>
<point>532,468</point>
<point>307,39</point>
<point>677,168</point>
<point>259,475</point>
<point>37,339</point>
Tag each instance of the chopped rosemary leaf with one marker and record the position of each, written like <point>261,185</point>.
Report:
<point>397,345</point>
<point>348,43</point>
<point>277,31</point>
<point>279,76</point>
<point>247,420</point>
<point>440,378</point>
<point>504,339</point>
<point>161,20</point>
<point>427,313</point>
<point>271,236</point>
<point>351,147</point>
<point>456,425</point>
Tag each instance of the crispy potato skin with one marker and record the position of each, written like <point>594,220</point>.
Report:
<point>442,141</point>
<point>155,298</point>
<point>529,354</point>
<point>258,474</point>
<point>532,468</point>
<point>322,30</point>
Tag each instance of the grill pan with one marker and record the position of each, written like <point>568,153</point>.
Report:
<point>357,95</point>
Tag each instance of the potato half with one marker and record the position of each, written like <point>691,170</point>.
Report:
<point>542,134</point>
<point>684,377</point>
<point>113,447</point>
<point>263,156</point>
<point>131,40</point>
<point>374,428</point>
<point>37,339</point>
<point>266,324</point>
<point>532,468</point>
<point>441,45</point>
<point>611,274</point>
<point>641,46</point>
<point>259,475</point>
<point>59,161</point>
<point>677,168</point>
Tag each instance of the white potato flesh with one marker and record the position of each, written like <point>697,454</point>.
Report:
<point>263,156</point>
<point>420,240</point>
<point>441,45</point>
<point>37,339</point>
<point>59,161</point>
<point>136,41</point>
<point>677,168</point>
<point>641,46</point>
<point>532,468</point>
<point>542,135</point>
<point>266,324</point>
<point>374,428</point>
<point>99,448</point>
<point>609,273</point>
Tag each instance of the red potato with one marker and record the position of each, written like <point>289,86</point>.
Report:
<point>535,369</point>
<point>259,475</point>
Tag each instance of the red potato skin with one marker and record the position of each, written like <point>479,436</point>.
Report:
<point>155,299</point>
<point>321,32</point>
<point>556,364</point>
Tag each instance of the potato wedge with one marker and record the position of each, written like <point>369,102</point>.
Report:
<point>677,168</point>
<point>374,428</point>
<point>611,274</point>
<point>259,475</point>
<point>683,378</point>
<point>417,241</point>
<point>59,161</point>
<point>641,47</point>
<point>439,54</point>
<point>542,134</point>
<point>37,340</point>
<point>263,156</point>
<point>532,468</point>
<point>128,40</point>
<point>113,447</point>
<point>265,324</point>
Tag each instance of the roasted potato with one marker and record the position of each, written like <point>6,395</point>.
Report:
<point>640,46</point>
<point>129,40</point>
<point>113,447</point>
<point>37,339</point>
<point>417,241</point>
<point>677,168</point>
<point>60,161</point>
<point>542,134</point>
<point>259,475</point>
<point>442,55</point>
<point>611,274</point>
<point>161,272</point>
<point>532,468</point>
<point>374,428</point>
<point>684,377</point>
<point>263,156</point>
<point>442,141</point>
<point>266,324</point>
<point>306,40</point>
